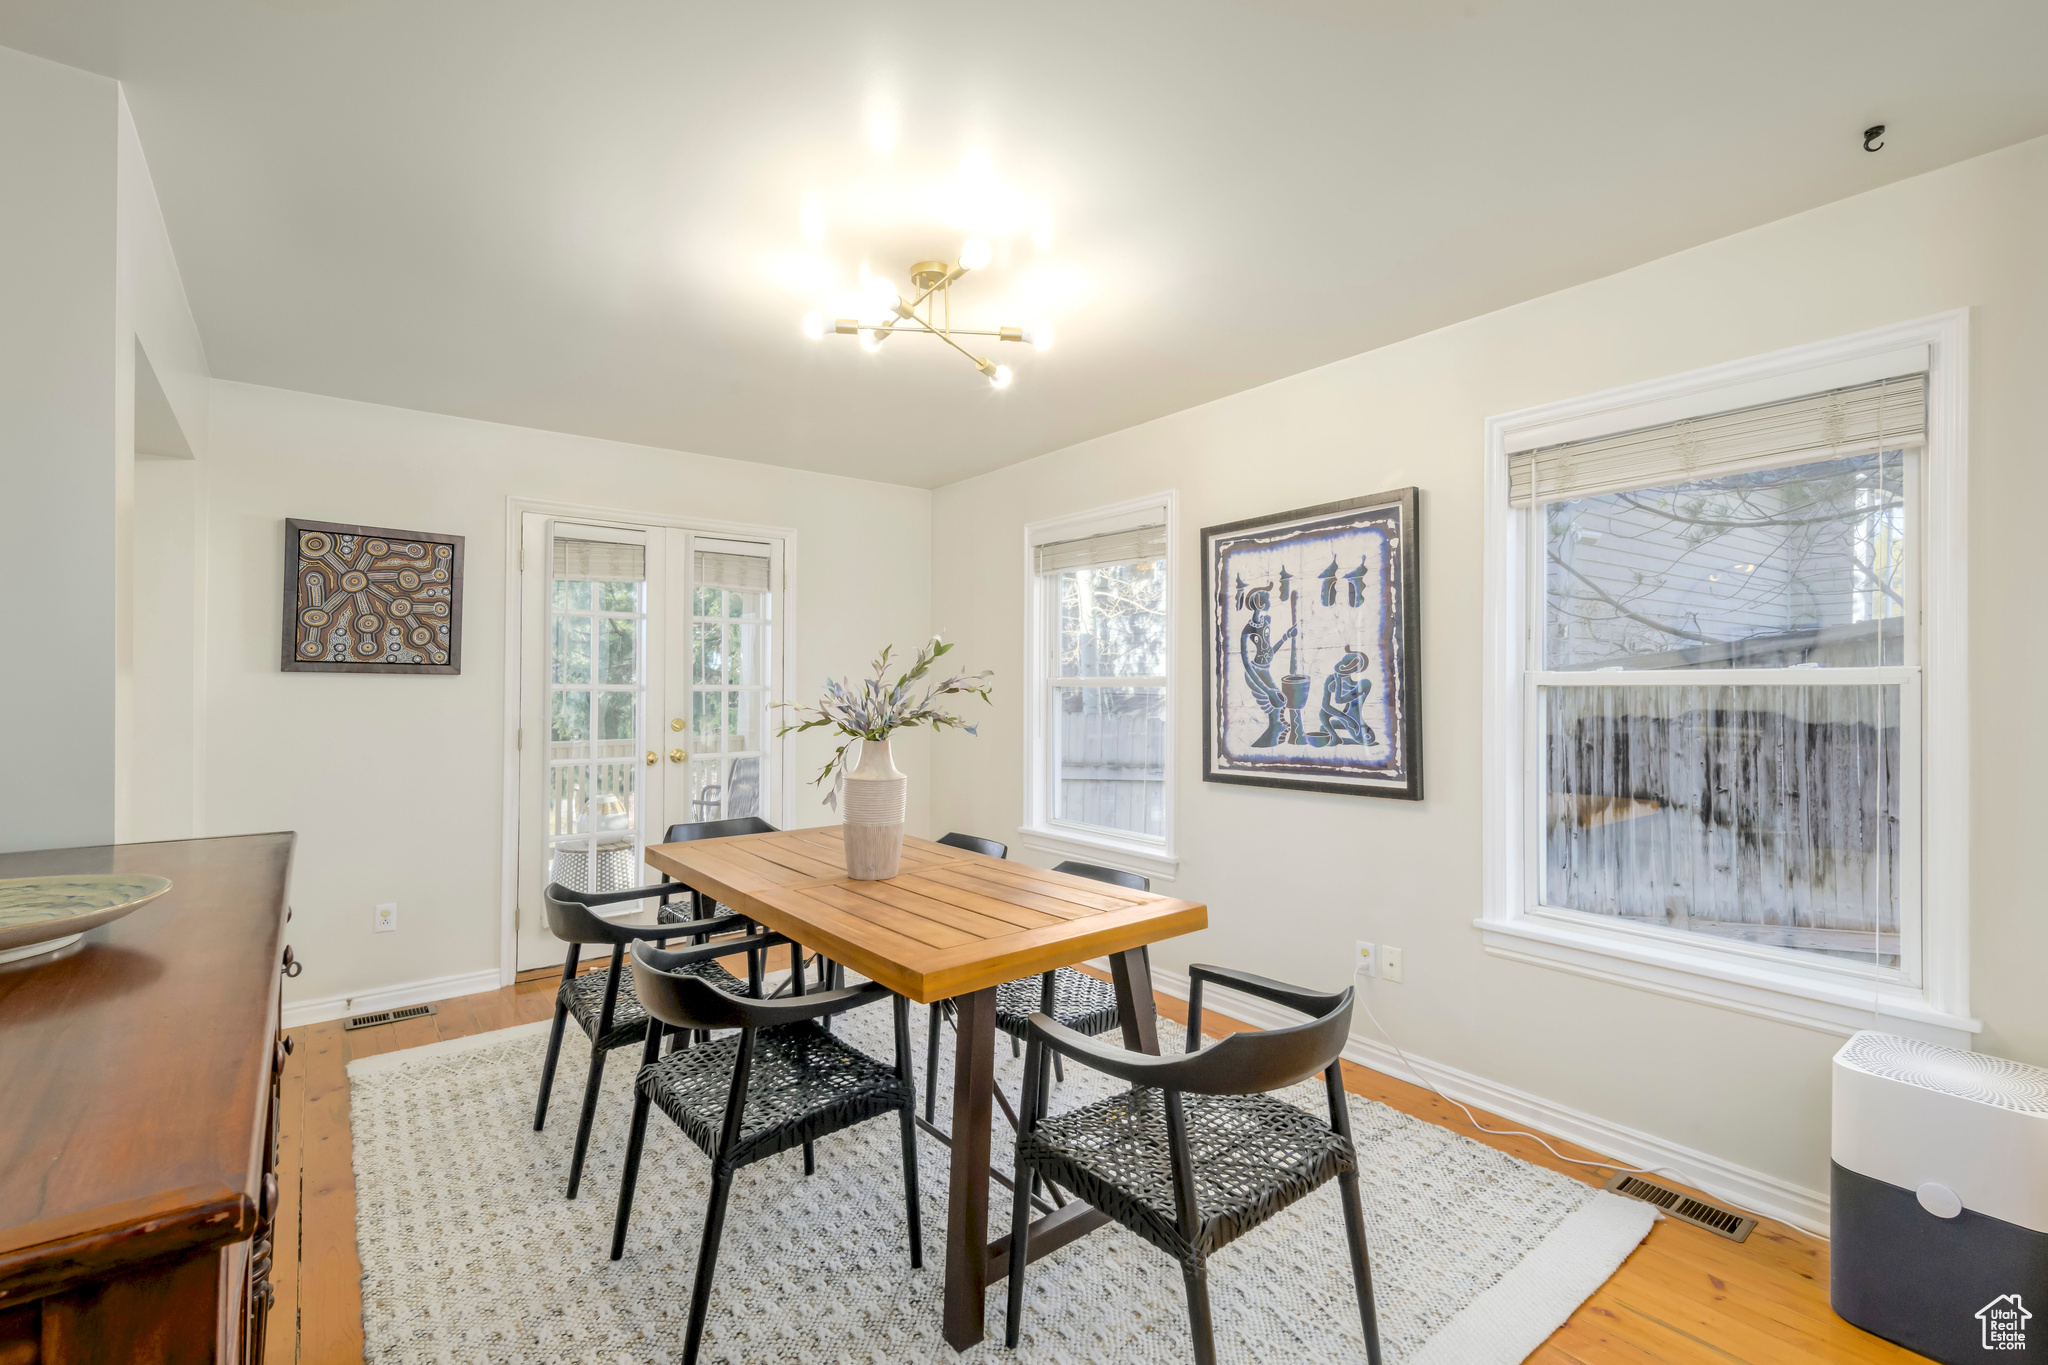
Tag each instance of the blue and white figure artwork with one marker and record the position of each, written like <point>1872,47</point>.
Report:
<point>1310,677</point>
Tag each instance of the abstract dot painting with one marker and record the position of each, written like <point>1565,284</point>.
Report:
<point>369,599</point>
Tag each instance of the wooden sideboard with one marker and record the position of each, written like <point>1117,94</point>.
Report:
<point>138,1075</point>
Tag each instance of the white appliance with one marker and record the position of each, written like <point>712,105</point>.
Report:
<point>1939,1204</point>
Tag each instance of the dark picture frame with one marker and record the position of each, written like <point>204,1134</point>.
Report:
<point>1311,667</point>
<point>390,600</point>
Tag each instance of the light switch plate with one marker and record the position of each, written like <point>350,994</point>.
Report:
<point>387,919</point>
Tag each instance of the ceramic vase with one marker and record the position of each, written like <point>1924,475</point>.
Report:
<point>872,805</point>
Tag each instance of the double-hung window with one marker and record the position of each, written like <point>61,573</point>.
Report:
<point>1099,766</point>
<point>1720,747</point>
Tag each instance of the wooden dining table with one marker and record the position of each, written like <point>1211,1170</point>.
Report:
<point>951,925</point>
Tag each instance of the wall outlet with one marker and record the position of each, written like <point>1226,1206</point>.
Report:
<point>387,919</point>
<point>1368,960</point>
<point>1390,963</point>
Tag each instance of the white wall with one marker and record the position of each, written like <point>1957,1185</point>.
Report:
<point>57,454</point>
<point>157,509</point>
<point>87,277</point>
<point>394,783</point>
<point>1293,879</point>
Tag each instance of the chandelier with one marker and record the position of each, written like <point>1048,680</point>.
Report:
<point>933,282</point>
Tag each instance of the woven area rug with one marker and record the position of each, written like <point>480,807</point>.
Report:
<point>471,1254</point>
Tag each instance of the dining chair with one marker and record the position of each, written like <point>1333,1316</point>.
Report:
<point>828,973</point>
<point>605,1007</point>
<point>781,1081</point>
<point>672,913</point>
<point>1198,1152</point>
<point>1082,1002</point>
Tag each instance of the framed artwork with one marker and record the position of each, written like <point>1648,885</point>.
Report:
<point>1313,630</point>
<point>368,599</point>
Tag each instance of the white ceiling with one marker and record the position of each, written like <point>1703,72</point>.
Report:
<point>590,218</point>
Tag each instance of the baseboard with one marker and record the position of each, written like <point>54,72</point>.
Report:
<point>300,1012</point>
<point>1750,1190</point>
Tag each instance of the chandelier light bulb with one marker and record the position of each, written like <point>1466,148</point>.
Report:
<point>1001,378</point>
<point>974,253</point>
<point>871,340</point>
<point>1040,336</point>
<point>814,326</point>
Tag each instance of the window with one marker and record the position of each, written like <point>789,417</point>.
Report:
<point>1100,739</point>
<point>1708,705</point>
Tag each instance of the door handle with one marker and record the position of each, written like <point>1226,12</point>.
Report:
<point>652,758</point>
<point>677,755</point>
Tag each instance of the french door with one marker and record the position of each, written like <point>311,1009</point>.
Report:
<point>648,656</point>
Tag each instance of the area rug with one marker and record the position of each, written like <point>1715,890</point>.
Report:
<point>471,1254</point>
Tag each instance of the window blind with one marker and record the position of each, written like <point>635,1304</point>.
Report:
<point>1137,545</point>
<point>1886,415</point>
<point>606,561</point>
<point>740,572</point>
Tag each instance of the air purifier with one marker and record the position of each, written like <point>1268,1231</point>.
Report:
<point>1939,1207</point>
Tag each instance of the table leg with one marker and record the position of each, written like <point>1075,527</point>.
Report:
<point>974,1075</point>
<point>1132,972</point>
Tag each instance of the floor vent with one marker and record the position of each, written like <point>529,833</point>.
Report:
<point>1713,1217</point>
<point>388,1017</point>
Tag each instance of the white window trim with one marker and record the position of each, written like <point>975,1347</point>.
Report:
<point>1130,853</point>
<point>1938,1008</point>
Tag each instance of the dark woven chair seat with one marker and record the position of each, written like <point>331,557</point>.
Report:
<point>584,995</point>
<point>1082,1002</point>
<point>1253,1155</point>
<point>805,1084</point>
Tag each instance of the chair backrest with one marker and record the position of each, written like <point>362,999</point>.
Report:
<point>571,919</point>
<point>1130,881</point>
<point>974,843</point>
<point>718,829</point>
<point>684,1001</point>
<point>1253,1063</point>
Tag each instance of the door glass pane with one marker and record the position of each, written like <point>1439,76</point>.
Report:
<point>571,730</point>
<point>747,645</point>
<point>618,655</point>
<point>711,653</point>
<point>618,720</point>
<point>1110,768</point>
<point>572,594</point>
<point>569,799</point>
<point>619,596</point>
<point>706,792</point>
<point>706,721</point>
<point>572,649</point>
<point>744,729</point>
<point>743,786</point>
<point>614,798</point>
<point>1772,568</point>
<point>1763,815</point>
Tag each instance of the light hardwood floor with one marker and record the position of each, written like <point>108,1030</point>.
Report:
<point>1684,1296</point>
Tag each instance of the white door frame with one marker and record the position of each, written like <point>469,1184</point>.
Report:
<point>781,801</point>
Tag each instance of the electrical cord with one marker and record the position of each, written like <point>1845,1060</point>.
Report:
<point>1537,1138</point>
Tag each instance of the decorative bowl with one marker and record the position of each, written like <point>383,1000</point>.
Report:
<point>43,914</point>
